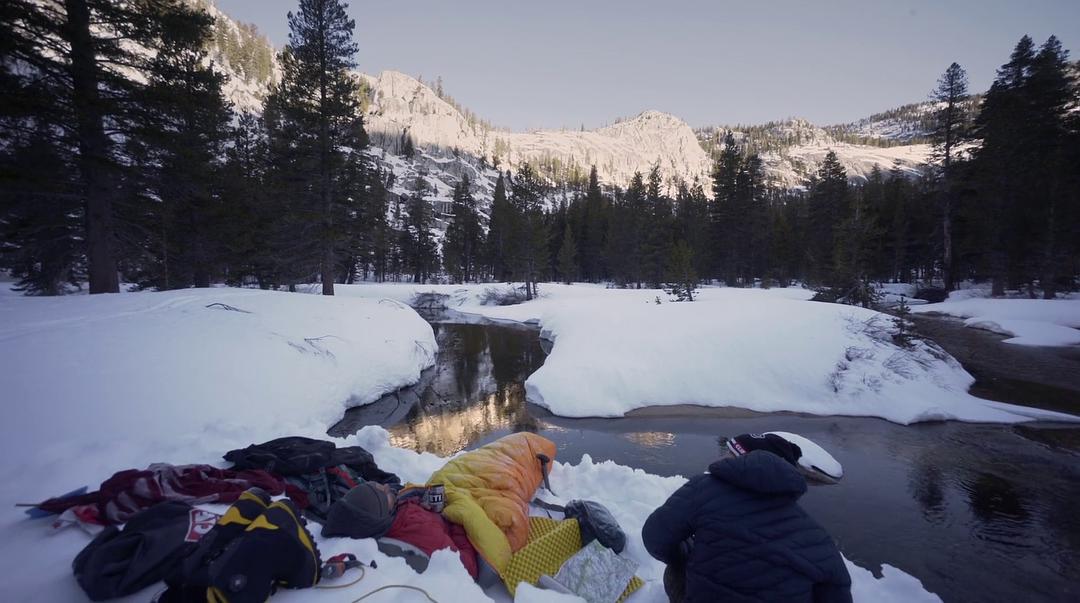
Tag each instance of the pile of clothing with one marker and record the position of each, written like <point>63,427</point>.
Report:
<point>150,527</point>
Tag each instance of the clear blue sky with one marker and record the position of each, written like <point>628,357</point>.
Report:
<point>555,63</point>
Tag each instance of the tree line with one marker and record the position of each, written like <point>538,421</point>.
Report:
<point>121,159</point>
<point>999,201</point>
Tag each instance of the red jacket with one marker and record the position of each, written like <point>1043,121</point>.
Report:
<point>429,532</point>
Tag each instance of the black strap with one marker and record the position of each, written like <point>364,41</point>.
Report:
<point>548,506</point>
<point>545,462</point>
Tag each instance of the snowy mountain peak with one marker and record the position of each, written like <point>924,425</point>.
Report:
<point>400,103</point>
<point>650,119</point>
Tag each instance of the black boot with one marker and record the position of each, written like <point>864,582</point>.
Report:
<point>188,583</point>
<point>275,550</point>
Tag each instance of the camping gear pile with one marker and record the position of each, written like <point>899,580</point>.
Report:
<point>149,525</point>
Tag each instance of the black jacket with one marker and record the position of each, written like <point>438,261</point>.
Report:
<point>751,541</point>
<point>295,455</point>
<point>118,562</point>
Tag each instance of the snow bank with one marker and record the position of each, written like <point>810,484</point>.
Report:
<point>749,349</point>
<point>98,383</point>
<point>764,350</point>
<point>1047,322</point>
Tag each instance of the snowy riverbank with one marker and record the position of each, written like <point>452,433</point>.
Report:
<point>98,384</point>
<point>764,350</point>
<point>1037,322</point>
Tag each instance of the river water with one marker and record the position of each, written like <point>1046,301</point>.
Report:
<point>977,512</point>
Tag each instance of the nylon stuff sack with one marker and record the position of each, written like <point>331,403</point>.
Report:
<point>597,523</point>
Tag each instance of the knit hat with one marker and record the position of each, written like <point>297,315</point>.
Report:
<point>748,442</point>
<point>366,511</point>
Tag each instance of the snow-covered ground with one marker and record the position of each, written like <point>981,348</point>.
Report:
<point>1039,322</point>
<point>766,350</point>
<point>93,385</point>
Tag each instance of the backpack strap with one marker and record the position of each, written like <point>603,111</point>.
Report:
<point>543,504</point>
<point>545,468</point>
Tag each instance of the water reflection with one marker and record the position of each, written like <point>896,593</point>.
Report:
<point>476,388</point>
<point>926,484</point>
<point>651,439</point>
<point>993,498</point>
<point>1001,513</point>
<point>447,430</point>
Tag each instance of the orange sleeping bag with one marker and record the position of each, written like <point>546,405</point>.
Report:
<point>488,492</point>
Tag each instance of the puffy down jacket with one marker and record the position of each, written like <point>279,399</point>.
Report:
<point>751,541</point>
<point>488,492</point>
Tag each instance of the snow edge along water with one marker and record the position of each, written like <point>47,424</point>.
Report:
<point>617,350</point>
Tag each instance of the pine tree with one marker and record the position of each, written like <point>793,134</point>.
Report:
<point>532,258</point>
<point>949,131</point>
<point>567,256</point>
<point>903,335</point>
<point>681,272</point>
<point>1000,164</point>
<point>502,233</point>
<point>594,227</point>
<point>656,231</point>
<point>692,223</point>
<point>725,177</point>
<point>749,220</point>
<point>378,226</point>
<point>463,238</point>
<point>247,216</point>
<point>1023,216</point>
<point>420,254</point>
<point>38,224</point>
<point>317,101</point>
<point>854,236</point>
<point>182,126</point>
<point>362,211</point>
<point>1052,94</point>
<point>826,205</point>
<point>896,207</point>
<point>62,87</point>
<point>624,233</point>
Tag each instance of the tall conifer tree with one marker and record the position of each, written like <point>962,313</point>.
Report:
<point>950,130</point>
<point>318,95</point>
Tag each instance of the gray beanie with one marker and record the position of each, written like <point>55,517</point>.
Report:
<point>364,512</point>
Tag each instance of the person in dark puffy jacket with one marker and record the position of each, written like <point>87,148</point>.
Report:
<point>737,533</point>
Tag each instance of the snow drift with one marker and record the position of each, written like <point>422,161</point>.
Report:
<point>99,383</point>
<point>1039,322</point>
<point>764,350</point>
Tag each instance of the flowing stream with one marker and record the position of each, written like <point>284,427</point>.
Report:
<point>977,512</point>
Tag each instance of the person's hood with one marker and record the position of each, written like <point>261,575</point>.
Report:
<point>762,472</point>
